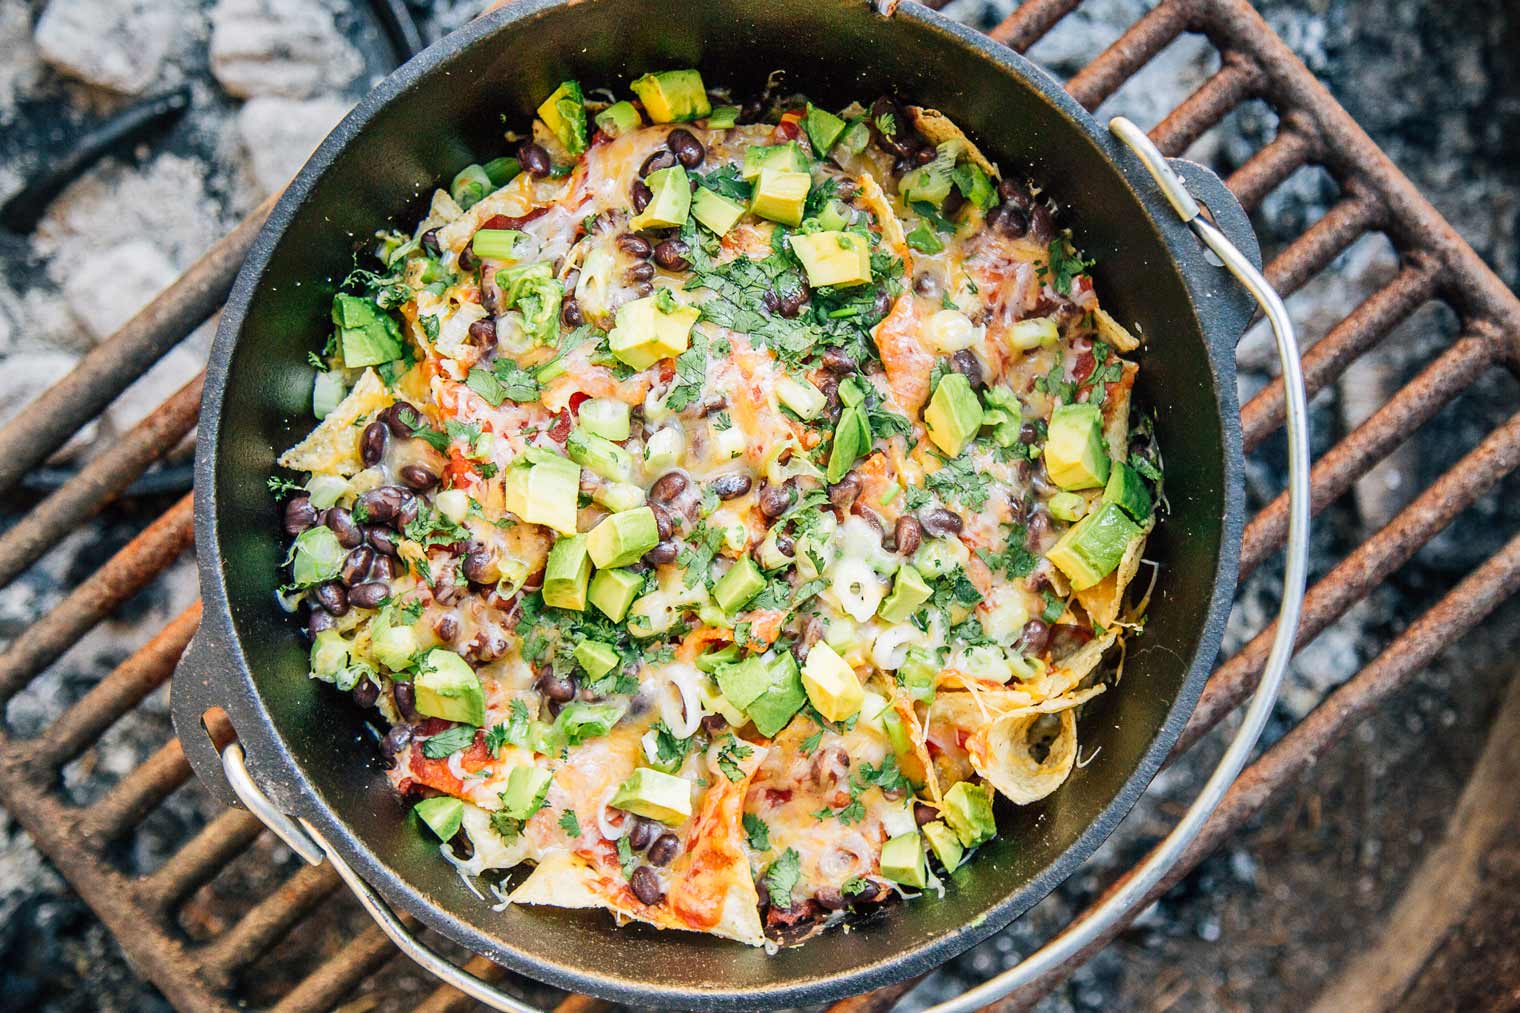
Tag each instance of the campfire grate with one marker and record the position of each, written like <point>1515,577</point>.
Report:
<point>1435,267</point>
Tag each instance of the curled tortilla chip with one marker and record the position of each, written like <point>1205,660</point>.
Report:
<point>1116,413</point>
<point>938,128</point>
<point>1003,754</point>
<point>333,447</point>
<point>1113,332</point>
<point>875,199</point>
<point>1104,599</point>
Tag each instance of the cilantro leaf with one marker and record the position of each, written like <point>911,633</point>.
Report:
<point>729,757</point>
<point>759,834</point>
<point>449,741</point>
<point>782,877</point>
<point>691,374</point>
<point>1065,264</point>
<point>570,823</point>
<point>626,858</point>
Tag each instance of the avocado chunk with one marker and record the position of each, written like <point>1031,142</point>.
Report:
<point>595,657</point>
<point>945,845</point>
<point>526,788</point>
<point>714,660</point>
<point>902,861</point>
<point>736,587</point>
<point>605,417</point>
<point>545,493</point>
<point>618,119</point>
<point>715,211</point>
<point>744,682</point>
<point>788,156</point>
<point>644,332</point>
<point>446,687</point>
<point>1126,489</point>
<point>968,810</point>
<point>567,573</point>
<point>392,646</point>
<point>672,95</point>
<point>917,673</point>
<point>620,539</point>
<point>954,414</point>
<point>723,117</point>
<point>772,709</point>
<point>564,112</point>
<point>329,654</point>
<point>831,684</point>
<point>443,815</point>
<point>367,335</point>
<point>1070,506</point>
<point>909,591</point>
<point>833,258</point>
<point>655,795</point>
<point>1092,548</point>
<point>823,128</point>
<point>1075,453</point>
<point>612,591</point>
<point>780,195</point>
<point>602,456</point>
<point>799,394</point>
<point>669,203</point>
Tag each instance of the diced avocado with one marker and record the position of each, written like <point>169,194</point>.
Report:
<point>945,845</point>
<point>602,456</point>
<point>327,392</point>
<point>644,333</point>
<point>788,156</point>
<point>618,496</point>
<point>771,710</point>
<point>780,195</point>
<point>443,815</point>
<point>526,788</point>
<point>909,591</point>
<point>954,414</point>
<point>1070,506</point>
<point>446,687</point>
<point>852,438</point>
<point>902,861</point>
<point>917,673</point>
<point>618,119</point>
<point>469,186</point>
<point>316,556</point>
<point>715,211</point>
<point>968,810</point>
<point>1091,548</point>
<point>567,572</point>
<point>1127,489</point>
<point>736,587</point>
<point>855,138</point>
<point>329,654</point>
<point>974,184</point>
<point>834,216</point>
<point>655,795</point>
<point>367,335</point>
<point>620,539</point>
<point>392,646</point>
<point>833,258</point>
<point>564,112</point>
<point>613,591</point>
<point>1076,455</point>
<point>714,660</point>
<point>605,417</point>
<point>743,683</point>
<point>722,117</point>
<point>799,394</point>
<point>831,684</point>
<point>549,494</point>
<point>672,95</point>
<point>823,129</point>
<point>595,657</point>
<point>1005,414</point>
<point>670,201</point>
<point>931,183</point>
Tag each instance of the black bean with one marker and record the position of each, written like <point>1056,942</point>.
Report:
<point>665,552</point>
<point>642,271</point>
<point>786,546</point>
<point>484,332</point>
<point>419,477</point>
<point>664,849</point>
<point>1008,220</point>
<point>487,645</point>
<point>843,493</point>
<point>646,885</point>
<point>688,150</point>
<point>671,255</point>
<point>640,832</point>
<point>667,487</point>
<point>634,246</point>
<point>939,522</point>
<point>368,595</point>
<point>792,302</point>
<point>926,285</point>
<point>397,739</point>
<point>922,156</point>
<point>342,524</point>
<point>714,722</point>
<point>410,506</point>
<point>775,499</point>
<point>770,300</point>
<point>1028,433</point>
<point>1041,225</point>
<point>641,195</point>
<point>430,242</point>
<point>534,159</point>
<point>731,485</point>
<point>406,699</point>
<point>900,140</point>
<point>663,524</point>
<point>882,304</point>
<point>468,262</point>
<point>923,813</point>
<point>447,628</point>
<point>381,505</point>
<point>662,159</point>
<point>384,568</point>
<point>642,289</point>
<point>837,360</point>
<point>319,621</point>
<point>372,443</point>
<point>357,565</point>
<point>299,515</point>
<point>402,418</point>
<point>908,534</point>
<point>555,687</point>
<point>365,693</point>
<point>383,539</point>
<point>1034,638</point>
<point>570,313</point>
<point>480,566</point>
<point>965,363</point>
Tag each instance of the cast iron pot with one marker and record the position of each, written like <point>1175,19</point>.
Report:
<point>305,744</point>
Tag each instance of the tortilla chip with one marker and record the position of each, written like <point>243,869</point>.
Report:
<point>333,447</point>
<point>1104,599</point>
<point>1001,754</point>
<point>1115,333</point>
<point>918,766</point>
<point>1116,413</point>
<point>937,128</point>
<point>875,199</point>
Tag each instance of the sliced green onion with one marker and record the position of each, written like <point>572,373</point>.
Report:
<point>495,244</point>
<point>502,171</point>
<point>470,186</point>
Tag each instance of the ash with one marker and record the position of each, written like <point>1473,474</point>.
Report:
<point>1264,923</point>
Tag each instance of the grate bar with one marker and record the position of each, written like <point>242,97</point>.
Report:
<point>198,861</point>
<point>126,573</point>
<point>1361,571</point>
<point>1030,23</point>
<point>1139,44</point>
<point>269,920</point>
<point>323,988</point>
<point>1359,451</point>
<point>135,796</point>
<point>1203,109</point>
<point>110,367</point>
<point>1321,243</point>
<point>1329,356</point>
<point>1268,168</point>
<point>98,482</point>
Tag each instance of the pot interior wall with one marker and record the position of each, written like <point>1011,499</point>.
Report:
<point>452,115</point>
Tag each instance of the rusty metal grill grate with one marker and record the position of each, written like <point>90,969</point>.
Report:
<point>205,969</point>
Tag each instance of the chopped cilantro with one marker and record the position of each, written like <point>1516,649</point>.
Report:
<point>1054,608</point>
<point>1065,264</point>
<point>570,823</point>
<point>729,757</point>
<point>282,487</point>
<point>759,834</point>
<point>626,858</point>
<point>449,741</point>
<point>782,878</point>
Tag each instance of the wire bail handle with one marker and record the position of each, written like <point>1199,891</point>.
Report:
<point>304,839</point>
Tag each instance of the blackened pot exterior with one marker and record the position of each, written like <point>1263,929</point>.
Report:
<point>306,745</point>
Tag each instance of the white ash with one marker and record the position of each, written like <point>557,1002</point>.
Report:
<point>107,289</point>
<point>290,48</point>
<point>115,44</point>
<point>279,134</point>
<point>22,68</point>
